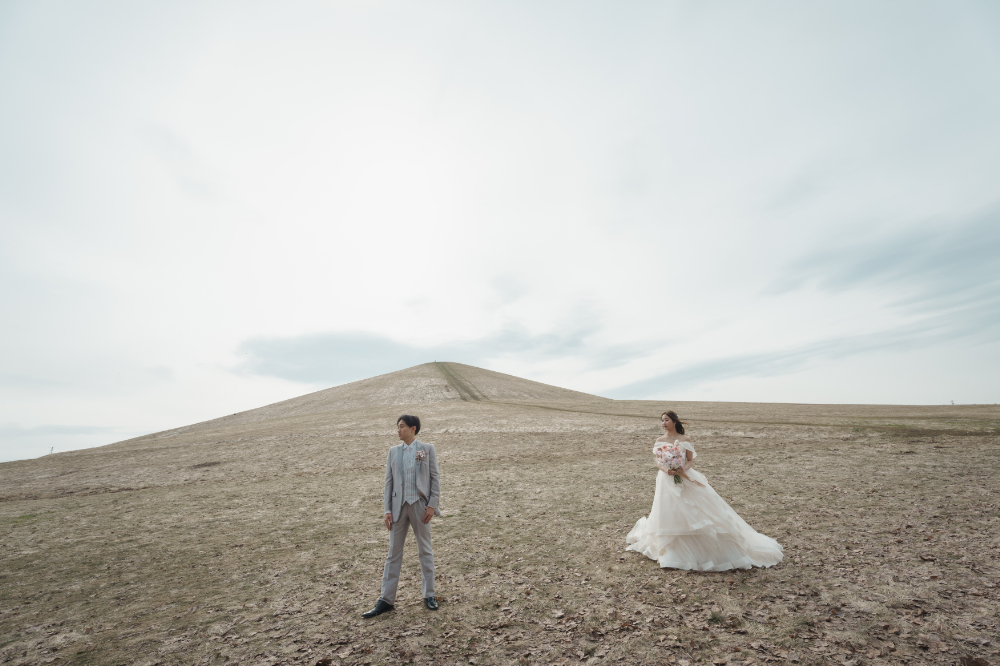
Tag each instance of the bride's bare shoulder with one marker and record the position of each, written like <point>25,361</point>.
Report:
<point>684,438</point>
<point>662,438</point>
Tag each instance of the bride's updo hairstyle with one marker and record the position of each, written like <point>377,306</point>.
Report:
<point>678,424</point>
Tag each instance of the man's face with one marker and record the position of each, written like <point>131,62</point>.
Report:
<point>404,431</point>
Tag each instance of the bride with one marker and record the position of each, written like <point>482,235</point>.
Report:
<point>690,526</point>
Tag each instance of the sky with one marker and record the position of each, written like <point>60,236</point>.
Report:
<point>206,207</point>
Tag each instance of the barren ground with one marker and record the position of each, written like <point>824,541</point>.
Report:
<point>257,538</point>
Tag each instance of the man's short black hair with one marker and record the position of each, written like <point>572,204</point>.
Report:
<point>410,421</point>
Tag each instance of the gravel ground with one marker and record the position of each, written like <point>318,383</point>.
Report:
<point>257,538</point>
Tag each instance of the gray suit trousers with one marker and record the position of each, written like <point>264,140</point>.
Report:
<point>410,515</point>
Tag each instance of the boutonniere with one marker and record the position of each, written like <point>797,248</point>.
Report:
<point>421,454</point>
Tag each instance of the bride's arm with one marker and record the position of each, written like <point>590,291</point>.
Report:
<point>690,460</point>
<point>682,471</point>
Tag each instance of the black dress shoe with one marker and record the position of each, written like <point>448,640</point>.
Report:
<point>431,603</point>
<point>380,607</point>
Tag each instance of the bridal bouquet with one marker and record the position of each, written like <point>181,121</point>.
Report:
<point>670,455</point>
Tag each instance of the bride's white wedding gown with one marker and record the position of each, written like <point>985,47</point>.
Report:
<point>691,527</point>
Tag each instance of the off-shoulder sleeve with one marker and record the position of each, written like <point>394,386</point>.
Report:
<point>689,447</point>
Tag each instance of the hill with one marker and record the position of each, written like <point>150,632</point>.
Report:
<point>425,384</point>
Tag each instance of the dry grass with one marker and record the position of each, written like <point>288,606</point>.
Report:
<point>257,539</point>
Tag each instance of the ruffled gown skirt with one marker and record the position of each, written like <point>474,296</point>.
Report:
<point>691,527</point>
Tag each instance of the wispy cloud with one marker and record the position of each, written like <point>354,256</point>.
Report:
<point>334,358</point>
<point>946,274</point>
<point>785,361</point>
<point>939,265</point>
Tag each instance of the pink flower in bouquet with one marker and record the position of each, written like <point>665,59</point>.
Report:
<point>420,455</point>
<point>671,455</point>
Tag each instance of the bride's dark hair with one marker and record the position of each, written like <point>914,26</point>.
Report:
<point>677,422</point>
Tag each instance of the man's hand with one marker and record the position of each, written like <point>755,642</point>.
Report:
<point>388,521</point>
<point>428,514</point>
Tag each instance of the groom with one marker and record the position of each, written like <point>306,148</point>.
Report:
<point>412,491</point>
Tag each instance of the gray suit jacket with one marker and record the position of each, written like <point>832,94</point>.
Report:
<point>428,479</point>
